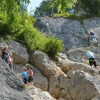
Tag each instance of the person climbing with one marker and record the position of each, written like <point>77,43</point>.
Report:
<point>92,36</point>
<point>10,60</point>
<point>24,75</point>
<point>91,57</point>
<point>30,76</point>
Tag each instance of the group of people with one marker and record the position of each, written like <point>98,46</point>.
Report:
<point>27,75</point>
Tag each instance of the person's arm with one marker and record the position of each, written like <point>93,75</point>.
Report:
<point>31,73</point>
<point>85,57</point>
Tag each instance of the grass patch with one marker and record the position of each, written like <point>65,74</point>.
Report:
<point>75,16</point>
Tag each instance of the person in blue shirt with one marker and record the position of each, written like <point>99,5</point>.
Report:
<point>91,57</point>
<point>24,75</point>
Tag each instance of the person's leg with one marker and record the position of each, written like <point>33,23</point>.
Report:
<point>91,63</point>
<point>96,66</point>
<point>31,78</point>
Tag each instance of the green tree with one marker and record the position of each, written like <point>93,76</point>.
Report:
<point>62,5</point>
<point>91,6</point>
<point>43,9</point>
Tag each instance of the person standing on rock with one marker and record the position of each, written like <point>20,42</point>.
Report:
<point>90,55</point>
<point>24,75</point>
<point>30,76</point>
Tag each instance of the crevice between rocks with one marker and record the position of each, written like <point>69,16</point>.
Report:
<point>86,33</point>
<point>70,95</point>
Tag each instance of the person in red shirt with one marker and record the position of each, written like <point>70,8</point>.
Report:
<point>30,76</point>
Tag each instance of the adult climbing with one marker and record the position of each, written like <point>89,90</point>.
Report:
<point>91,57</point>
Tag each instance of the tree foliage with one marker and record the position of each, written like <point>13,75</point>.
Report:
<point>43,9</point>
<point>15,23</point>
<point>91,6</point>
<point>62,5</point>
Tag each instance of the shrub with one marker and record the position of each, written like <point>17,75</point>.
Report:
<point>53,46</point>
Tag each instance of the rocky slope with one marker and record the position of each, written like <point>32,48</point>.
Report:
<point>12,88</point>
<point>67,77</point>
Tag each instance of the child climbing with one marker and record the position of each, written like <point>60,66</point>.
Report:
<point>24,75</point>
<point>91,57</point>
<point>10,60</point>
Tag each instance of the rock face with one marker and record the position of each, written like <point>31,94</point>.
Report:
<point>19,53</point>
<point>72,32</point>
<point>66,65</point>
<point>12,88</point>
<point>77,54</point>
<point>39,80</point>
<point>38,94</point>
<point>46,66</point>
<point>77,85</point>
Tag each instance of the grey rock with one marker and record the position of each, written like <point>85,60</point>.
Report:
<point>66,65</point>
<point>94,24</point>
<point>19,53</point>
<point>46,66</point>
<point>12,88</point>
<point>38,94</point>
<point>72,32</point>
<point>76,85</point>
<point>77,55</point>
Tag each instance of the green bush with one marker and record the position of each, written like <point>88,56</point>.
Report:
<point>53,46</point>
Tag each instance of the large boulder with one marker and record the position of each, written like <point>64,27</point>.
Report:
<point>77,85</point>
<point>38,94</point>
<point>19,53</point>
<point>12,88</point>
<point>72,32</point>
<point>46,66</point>
<point>39,80</point>
<point>78,54</point>
<point>66,65</point>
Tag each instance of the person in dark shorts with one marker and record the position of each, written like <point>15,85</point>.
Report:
<point>90,55</point>
<point>30,76</point>
<point>24,75</point>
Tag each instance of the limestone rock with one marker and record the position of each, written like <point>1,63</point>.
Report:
<point>12,88</point>
<point>77,55</point>
<point>72,32</point>
<point>38,94</point>
<point>19,53</point>
<point>96,98</point>
<point>77,85</point>
<point>94,24</point>
<point>66,65</point>
<point>46,66</point>
<point>39,80</point>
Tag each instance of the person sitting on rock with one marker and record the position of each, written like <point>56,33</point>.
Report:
<point>5,54</point>
<point>30,76</point>
<point>90,55</point>
<point>24,75</point>
<point>10,60</point>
